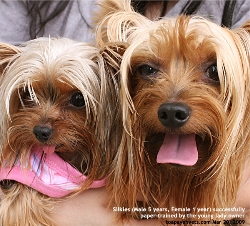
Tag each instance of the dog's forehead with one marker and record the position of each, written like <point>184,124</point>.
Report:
<point>42,69</point>
<point>53,86</point>
<point>163,51</point>
<point>196,40</point>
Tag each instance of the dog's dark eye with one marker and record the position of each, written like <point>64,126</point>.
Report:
<point>146,70</point>
<point>77,100</point>
<point>212,73</point>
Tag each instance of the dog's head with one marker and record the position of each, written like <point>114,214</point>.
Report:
<point>184,97</point>
<point>55,96</point>
<point>181,77</point>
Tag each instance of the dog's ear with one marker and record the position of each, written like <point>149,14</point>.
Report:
<point>112,54</point>
<point>6,53</point>
<point>108,7</point>
<point>116,21</point>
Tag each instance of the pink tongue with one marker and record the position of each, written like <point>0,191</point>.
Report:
<point>48,149</point>
<point>178,149</point>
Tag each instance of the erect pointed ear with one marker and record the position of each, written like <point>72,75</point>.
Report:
<point>112,54</point>
<point>108,7</point>
<point>6,53</point>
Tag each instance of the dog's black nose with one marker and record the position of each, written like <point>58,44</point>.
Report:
<point>173,115</point>
<point>42,133</point>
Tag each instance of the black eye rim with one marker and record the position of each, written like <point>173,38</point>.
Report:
<point>146,70</point>
<point>77,100</point>
<point>212,73</point>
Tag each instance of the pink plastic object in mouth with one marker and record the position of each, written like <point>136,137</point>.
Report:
<point>47,173</point>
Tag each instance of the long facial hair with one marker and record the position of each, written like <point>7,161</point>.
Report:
<point>64,86</point>
<point>181,52</point>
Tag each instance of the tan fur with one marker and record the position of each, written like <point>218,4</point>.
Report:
<point>37,83</point>
<point>181,49</point>
<point>22,205</point>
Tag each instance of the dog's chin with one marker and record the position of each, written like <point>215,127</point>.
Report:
<point>204,146</point>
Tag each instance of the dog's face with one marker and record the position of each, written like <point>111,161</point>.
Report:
<point>51,100</point>
<point>184,79</point>
<point>55,122</point>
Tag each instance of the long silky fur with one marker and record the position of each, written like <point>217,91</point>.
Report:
<point>215,183</point>
<point>25,206</point>
<point>75,64</point>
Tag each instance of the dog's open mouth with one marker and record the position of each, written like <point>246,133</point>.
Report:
<point>180,149</point>
<point>47,149</point>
